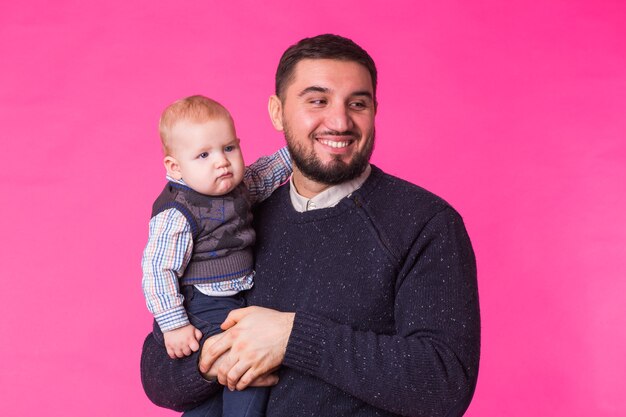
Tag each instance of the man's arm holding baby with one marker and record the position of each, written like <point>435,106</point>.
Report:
<point>178,384</point>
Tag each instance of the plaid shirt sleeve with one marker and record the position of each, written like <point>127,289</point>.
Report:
<point>267,174</point>
<point>165,258</point>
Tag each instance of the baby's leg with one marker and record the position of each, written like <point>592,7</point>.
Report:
<point>208,313</point>
<point>211,408</point>
<point>250,402</point>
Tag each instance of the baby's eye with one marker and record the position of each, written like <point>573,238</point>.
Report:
<point>229,148</point>
<point>203,155</point>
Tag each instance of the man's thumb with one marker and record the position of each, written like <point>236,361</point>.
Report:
<point>234,317</point>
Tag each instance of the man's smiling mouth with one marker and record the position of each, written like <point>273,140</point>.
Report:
<point>335,143</point>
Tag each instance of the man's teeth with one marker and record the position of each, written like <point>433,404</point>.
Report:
<point>335,144</point>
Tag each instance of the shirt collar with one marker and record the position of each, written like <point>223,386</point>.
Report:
<point>329,197</point>
<point>180,181</point>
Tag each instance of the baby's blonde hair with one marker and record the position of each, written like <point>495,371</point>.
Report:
<point>195,109</point>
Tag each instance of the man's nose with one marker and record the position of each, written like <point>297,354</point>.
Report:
<point>338,118</point>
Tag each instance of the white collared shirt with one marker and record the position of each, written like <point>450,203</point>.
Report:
<point>329,197</point>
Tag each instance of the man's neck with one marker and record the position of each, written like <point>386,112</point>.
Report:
<point>306,187</point>
<point>326,196</point>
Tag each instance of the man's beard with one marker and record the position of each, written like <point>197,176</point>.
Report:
<point>334,172</point>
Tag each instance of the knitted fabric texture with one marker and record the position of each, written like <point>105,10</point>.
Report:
<point>384,288</point>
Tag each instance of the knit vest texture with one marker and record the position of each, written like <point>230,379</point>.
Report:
<point>221,229</point>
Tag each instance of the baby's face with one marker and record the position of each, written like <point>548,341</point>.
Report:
<point>208,156</point>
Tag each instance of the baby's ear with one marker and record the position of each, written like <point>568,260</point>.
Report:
<point>172,167</point>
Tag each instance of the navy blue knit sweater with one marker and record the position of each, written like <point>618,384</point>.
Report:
<point>387,320</point>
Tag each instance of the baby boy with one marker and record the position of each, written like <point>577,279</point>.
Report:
<point>199,253</point>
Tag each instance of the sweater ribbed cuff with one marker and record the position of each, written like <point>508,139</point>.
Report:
<point>306,343</point>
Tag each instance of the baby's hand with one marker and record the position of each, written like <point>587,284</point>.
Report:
<point>182,341</point>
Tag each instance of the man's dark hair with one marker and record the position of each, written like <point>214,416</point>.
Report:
<point>321,47</point>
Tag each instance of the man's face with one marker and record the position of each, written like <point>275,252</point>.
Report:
<point>327,115</point>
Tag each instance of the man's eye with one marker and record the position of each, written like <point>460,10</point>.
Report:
<point>319,102</point>
<point>358,105</point>
<point>203,155</point>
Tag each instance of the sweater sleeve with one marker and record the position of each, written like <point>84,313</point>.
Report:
<point>173,383</point>
<point>429,365</point>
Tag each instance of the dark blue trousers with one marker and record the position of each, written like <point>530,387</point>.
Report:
<point>207,314</point>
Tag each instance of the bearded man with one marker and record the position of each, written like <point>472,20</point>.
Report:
<point>365,300</point>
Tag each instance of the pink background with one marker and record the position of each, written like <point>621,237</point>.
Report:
<point>512,111</point>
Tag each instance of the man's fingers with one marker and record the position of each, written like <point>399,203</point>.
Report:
<point>266,380</point>
<point>222,370</point>
<point>211,373</point>
<point>235,373</point>
<point>213,348</point>
<point>246,379</point>
<point>235,316</point>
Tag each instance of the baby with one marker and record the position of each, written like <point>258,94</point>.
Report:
<point>199,253</point>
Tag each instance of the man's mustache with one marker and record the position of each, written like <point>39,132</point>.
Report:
<point>349,133</point>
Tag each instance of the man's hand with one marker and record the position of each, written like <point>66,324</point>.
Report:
<point>182,341</point>
<point>253,345</point>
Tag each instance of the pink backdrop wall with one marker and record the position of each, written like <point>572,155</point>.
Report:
<point>512,111</point>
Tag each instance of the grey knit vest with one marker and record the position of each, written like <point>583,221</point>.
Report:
<point>222,232</point>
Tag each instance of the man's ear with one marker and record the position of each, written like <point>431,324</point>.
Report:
<point>172,167</point>
<point>275,107</point>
